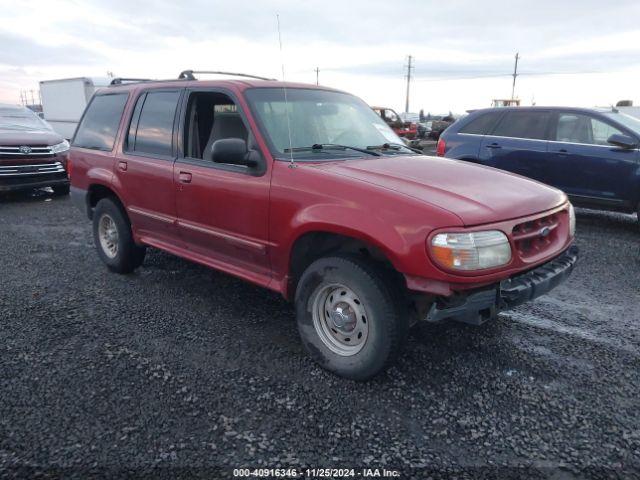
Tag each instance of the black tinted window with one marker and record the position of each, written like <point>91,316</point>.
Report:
<point>523,124</point>
<point>154,131</point>
<point>100,122</point>
<point>482,124</point>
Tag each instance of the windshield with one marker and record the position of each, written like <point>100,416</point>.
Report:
<point>628,121</point>
<point>324,119</point>
<point>20,119</point>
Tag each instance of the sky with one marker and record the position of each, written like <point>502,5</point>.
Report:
<point>575,53</point>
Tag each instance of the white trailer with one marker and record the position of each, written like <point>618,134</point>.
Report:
<point>64,101</point>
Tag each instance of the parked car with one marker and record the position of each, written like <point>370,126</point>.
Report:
<point>313,196</point>
<point>591,154</point>
<point>31,154</point>
<point>404,129</point>
<point>433,125</point>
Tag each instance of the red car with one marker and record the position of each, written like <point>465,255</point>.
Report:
<point>408,130</point>
<point>31,154</point>
<point>304,190</point>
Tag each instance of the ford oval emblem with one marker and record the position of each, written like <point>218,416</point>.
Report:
<point>25,149</point>
<point>545,231</point>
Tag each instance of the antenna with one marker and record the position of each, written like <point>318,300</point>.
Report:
<point>286,102</point>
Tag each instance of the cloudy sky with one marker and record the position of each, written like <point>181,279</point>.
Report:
<point>582,52</point>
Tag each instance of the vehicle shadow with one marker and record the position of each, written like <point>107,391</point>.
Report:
<point>26,196</point>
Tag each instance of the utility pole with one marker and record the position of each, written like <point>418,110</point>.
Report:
<point>317,70</point>
<point>409,68</point>
<point>515,74</point>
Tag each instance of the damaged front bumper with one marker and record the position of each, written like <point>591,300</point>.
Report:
<point>479,306</point>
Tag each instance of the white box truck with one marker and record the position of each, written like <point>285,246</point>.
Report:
<point>64,101</point>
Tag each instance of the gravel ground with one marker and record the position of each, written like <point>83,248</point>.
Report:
<point>180,371</point>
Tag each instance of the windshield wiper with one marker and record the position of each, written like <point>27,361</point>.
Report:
<point>331,146</point>
<point>394,146</point>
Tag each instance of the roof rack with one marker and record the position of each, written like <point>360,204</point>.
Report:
<point>121,80</point>
<point>188,74</point>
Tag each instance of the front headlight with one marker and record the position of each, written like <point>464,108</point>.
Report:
<point>471,251</point>
<point>60,147</point>
<point>572,221</point>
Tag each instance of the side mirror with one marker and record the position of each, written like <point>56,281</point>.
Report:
<point>622,141</point>
<point>233,151</point>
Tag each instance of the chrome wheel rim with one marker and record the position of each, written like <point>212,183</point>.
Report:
<point>108,235</point>
<point>340,319</point>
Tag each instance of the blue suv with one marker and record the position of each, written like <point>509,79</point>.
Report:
<point>590,154</point>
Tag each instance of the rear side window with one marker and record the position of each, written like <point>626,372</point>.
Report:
<point>151,130</point>
<point>523,124</point>
<point>99,126</point>
<point>482,124</point>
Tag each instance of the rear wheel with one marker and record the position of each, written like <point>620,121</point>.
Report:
<point>113,238</point>
<point>349,317</point>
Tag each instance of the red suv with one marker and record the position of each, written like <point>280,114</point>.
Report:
<point>306,191</point>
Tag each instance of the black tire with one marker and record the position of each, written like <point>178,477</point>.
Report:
<point>386,317</point>
<point>127,255</point>
<point>60,190</point>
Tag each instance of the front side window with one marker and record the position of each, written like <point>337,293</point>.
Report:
<point>151,130</point>
<point>99,125</point>
<point>211,116</point>
<point>311,117</point>
<point>391,116</point>
<point>523,124</point>
<point>579,128</point>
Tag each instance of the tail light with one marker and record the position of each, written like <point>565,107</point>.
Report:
<point>441,148</point>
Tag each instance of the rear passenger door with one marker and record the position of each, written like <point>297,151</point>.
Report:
<point>145,168</point>
<point>519,144</point>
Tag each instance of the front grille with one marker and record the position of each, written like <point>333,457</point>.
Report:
<point>25,151</point>
<point>29,169</point>
<point>537,236</point>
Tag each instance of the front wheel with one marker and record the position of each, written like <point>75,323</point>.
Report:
<point>350,317</point>
<point>113,238</point>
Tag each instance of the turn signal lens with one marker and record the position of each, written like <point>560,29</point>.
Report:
<point>471,251</point>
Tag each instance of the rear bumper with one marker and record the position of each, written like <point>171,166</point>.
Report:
<point>476,307</point>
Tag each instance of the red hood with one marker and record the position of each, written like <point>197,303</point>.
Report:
<point>475,193</point>
<point>42,137</point>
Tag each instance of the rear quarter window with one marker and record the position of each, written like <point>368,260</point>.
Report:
<point>99,125</point>
<point>482,124</point>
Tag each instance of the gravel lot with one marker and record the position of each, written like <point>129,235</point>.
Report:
<point>178,370</point>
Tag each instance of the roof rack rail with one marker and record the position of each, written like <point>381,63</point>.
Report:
<point>121,80</point>
<point>188,74</point>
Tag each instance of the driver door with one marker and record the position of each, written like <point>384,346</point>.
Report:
<point>585,165</point>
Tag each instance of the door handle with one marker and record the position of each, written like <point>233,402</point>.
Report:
<point>122,166</point>
<point>184,177</point>
<point>493,145</point>
<point>563,152</point>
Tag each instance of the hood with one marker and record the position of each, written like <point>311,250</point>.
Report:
<point>475,193</point>
<point>44,138</point>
